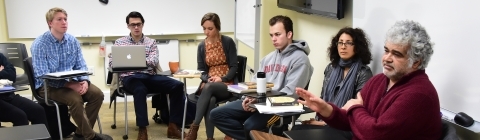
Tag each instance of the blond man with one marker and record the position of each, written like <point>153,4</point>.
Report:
<point>57,51</point>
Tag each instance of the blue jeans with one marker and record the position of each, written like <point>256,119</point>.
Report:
<point>141,84</point>
<point>235,122</point>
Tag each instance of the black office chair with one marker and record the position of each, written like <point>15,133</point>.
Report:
<point>29,72</point>
<point>16,53</point>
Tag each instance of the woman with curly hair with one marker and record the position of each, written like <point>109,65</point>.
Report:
<point>347,72</point>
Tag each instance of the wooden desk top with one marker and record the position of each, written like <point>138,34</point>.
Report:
<point>259,135</point>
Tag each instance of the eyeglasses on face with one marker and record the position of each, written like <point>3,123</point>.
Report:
<point>347,44</point>
<point>133,25</point>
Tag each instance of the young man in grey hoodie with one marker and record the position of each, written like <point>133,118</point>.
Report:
<point>287,67</point>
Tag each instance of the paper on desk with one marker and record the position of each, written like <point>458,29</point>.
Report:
<point>278,109</point>
<point>7,88</point>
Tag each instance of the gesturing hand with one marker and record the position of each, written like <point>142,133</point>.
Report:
<point>310,100</point>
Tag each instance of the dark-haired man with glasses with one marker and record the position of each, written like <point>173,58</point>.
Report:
<point>139,83</point>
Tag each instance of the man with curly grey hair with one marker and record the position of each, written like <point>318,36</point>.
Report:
<point>401,103</point>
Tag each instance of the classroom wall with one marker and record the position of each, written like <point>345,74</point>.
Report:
<point>316,30</point>
<point>91,52</point>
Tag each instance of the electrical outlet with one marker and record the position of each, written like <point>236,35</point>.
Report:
<point>91,69</point>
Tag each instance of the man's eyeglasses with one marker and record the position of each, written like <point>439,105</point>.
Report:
<point>347,44</point>
<point>133,25</point>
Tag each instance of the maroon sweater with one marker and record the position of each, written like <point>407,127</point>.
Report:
<point>410,110</point>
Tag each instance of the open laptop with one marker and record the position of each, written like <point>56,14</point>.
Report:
<point>130,57</point>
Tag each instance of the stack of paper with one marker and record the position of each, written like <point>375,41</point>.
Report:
<point>278,109</point>
<point>5,88</point>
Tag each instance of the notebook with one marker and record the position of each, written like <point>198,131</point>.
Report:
<point>67,73</point>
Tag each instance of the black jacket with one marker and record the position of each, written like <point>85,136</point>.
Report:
<point>8,72</point>
<point>230,50</point>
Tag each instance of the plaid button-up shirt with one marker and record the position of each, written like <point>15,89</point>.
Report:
<point>150,52</point>
<point>51,55</point>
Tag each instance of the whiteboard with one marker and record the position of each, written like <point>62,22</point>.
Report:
<point>452,26</point>
<point>90,18</point>
<point>245,21</point>
<point>166,52</point>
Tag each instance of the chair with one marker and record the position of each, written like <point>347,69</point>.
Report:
<point>16,53</point>
<point>240,75</point>
<point>120,92</point>
<point>284,125</point>
<point>40,99</point>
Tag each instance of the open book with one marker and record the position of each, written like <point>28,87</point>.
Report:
<point>281,101</point>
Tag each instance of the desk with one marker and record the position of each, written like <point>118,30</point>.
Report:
<point>259,135</point>
<point>287,114</point>
<point>17,88</point>
<point>47,102</point>
<point>46,78</point>
<point>184,77</point>
<point>25,132</point>
<point>316,134</point>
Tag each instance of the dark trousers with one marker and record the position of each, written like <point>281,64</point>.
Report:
<point>20,110</point>
<point>235,122</point>
<point>211,94</point>
<point>84,116</point>
<point>141,84</point>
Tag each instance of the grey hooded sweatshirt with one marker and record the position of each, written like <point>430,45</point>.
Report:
<point>288,69</point>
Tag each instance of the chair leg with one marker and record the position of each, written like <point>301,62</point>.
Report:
<point>99,124</point>
<point>168,103</point>
<point>126,118</point>
<point>184,116</point>
<point>59,122</point>
<point>114,125</point>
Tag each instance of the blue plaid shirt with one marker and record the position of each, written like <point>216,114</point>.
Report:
<point>50,55</point>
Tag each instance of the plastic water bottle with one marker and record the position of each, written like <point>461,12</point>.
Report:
<point>261,87</point>
<point>102,47</point>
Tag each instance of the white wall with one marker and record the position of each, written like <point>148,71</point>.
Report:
<point>452,26</point>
